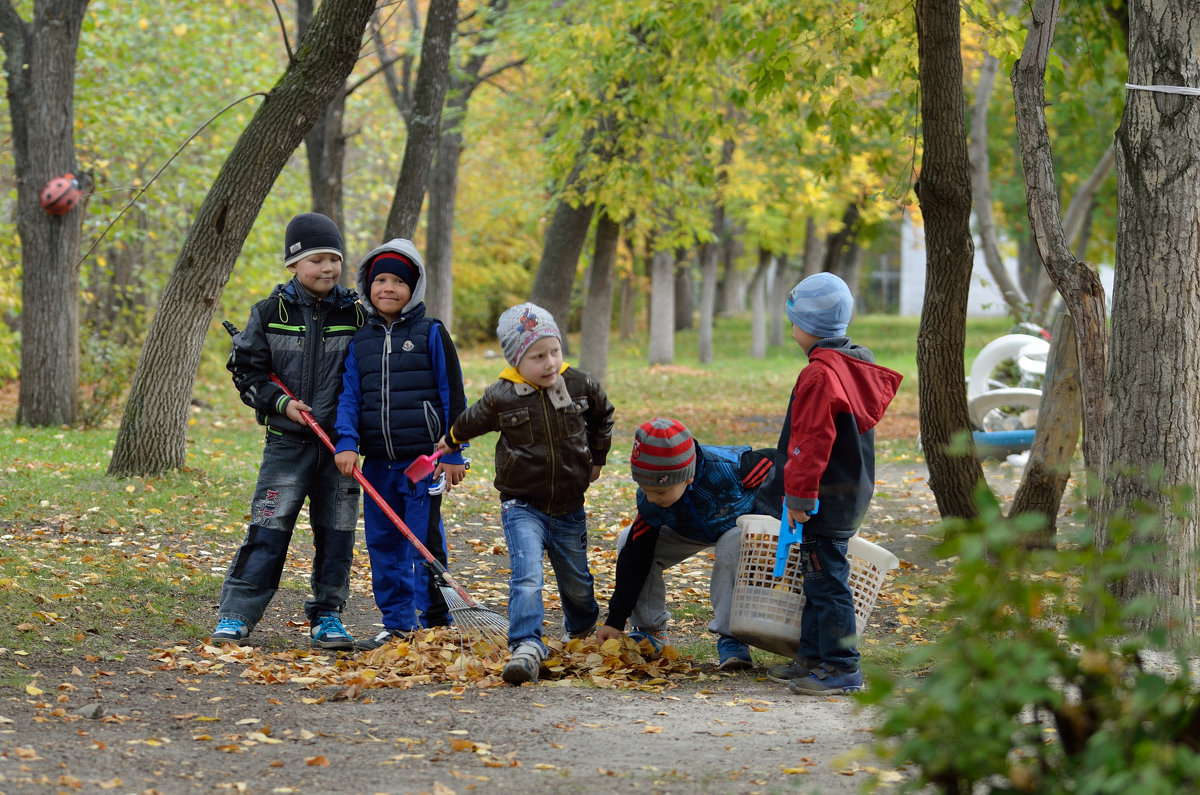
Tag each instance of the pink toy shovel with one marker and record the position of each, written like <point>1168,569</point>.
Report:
<point>422,467</point>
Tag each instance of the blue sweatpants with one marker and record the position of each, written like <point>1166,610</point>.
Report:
<point>405,592</point>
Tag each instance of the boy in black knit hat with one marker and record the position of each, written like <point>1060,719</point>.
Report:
<point>689,498</point>
<point>301,334</point>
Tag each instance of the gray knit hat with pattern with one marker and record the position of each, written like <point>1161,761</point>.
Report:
<point>522,325</point>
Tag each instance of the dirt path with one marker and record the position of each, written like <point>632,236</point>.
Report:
<point>135,727</point>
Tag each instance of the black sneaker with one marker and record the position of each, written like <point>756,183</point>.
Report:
<point>793,669</point>
<point>381,639</point>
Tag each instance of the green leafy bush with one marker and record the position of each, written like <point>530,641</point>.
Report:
<point>1033,685</point>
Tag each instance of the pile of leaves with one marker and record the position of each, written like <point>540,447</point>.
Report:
<point>435,656</point>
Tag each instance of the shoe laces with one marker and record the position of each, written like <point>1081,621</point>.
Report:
<point>330,624</point>
<point>230,624</point>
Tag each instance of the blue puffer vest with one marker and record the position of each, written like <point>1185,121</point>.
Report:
<point>401,404</point>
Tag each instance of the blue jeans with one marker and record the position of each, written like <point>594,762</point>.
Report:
<point>827,627</point>
<point>292,470</point>
<point>530,534</point>
<point>405,593</point>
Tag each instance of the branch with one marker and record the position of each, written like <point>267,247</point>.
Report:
<point>287,45</point>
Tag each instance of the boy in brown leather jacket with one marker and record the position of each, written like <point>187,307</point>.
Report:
<point>555,425</point>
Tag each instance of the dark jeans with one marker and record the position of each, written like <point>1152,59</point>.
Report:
<point>291,471</point>
<point>827,627</point>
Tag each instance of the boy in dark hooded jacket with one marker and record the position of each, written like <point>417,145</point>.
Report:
<point>300,334</point>
<point>401,390</point>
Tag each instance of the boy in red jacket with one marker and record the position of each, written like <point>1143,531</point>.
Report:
<point>828,444</point>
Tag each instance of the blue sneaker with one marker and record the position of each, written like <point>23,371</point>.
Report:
<point>229,630</point>
<point>656,638</point>
<point>825,680</point>
<point>328,633</point>
<point>732,654</point>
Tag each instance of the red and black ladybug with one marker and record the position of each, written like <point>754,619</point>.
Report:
<point>60,194</point>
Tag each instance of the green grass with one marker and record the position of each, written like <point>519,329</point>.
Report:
<point>108,567</point>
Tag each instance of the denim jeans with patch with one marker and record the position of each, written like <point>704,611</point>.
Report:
<point>291,471</point>
<point>530,534</point>
<point>827,627</point>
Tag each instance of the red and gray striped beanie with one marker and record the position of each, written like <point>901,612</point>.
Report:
<point>663,453</point>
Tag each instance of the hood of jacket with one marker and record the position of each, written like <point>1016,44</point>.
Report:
<point>406,249</point>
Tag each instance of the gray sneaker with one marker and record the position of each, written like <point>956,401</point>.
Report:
<point>794,669</point>
<point>523,666</point>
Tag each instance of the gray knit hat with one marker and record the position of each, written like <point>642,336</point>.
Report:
<point>522,325</point>
<point>663,453</point>
<point>310,233</point>
<point>821,305</point>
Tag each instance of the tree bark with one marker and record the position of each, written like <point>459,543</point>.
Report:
<point>424,126</point>
<point>40,71</point>
<point>662,308</point>
<point>153,433</point>
<point>944,191</point>
<point>597,310</point>
<point>981,186</point>
<point>684,306</point>
<point>1077,282</point>
<point>781,285</point>
<point>1055,438</point>
<point>1155,353</point>
<point>710,259</point>
<point>758,304</point>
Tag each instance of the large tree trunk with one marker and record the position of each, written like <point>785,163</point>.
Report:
<point>685,307</point>
<point>1156,314</point>
<point>944,190</point>
<point>40,73</point>
<point>424,127</point>
<point>153,433</point>
<point>662,308</point>
<point>597,310</point>
<point>565,238</point>
<point>781,284</point>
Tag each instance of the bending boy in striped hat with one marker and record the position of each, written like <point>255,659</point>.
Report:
<point>689,498</point>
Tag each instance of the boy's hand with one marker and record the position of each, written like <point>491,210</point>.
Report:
<point>293,410</point>
<point>595,474</point>
<point>796,517</point>
<point>346,461</point>
<point>454,473</point>
<point>605,632</point>
<point>445,447</point>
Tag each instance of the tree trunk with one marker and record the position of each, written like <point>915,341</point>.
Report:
<point>153,433</point>
<point>1077,282</point>
<point>710,259</point>
<point>758,305</point>
<point>433,77</point>
<point>981,185</point>
<point>944,191</point>
<point>565,238</point>
<point>684,306</point>
<point>781,285</point>
<point>597,309</point>
<point>1156,316</point>
<point>1056,437</point>
<point>443,194</point>
<point>662,308</point>
<point>40,72</point>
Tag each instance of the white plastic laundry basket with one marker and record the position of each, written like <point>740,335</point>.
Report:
<point>766,610</point>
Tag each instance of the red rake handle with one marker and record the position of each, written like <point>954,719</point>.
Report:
<point>387,509</point>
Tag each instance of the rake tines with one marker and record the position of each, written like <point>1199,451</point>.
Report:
<point>485,630</point>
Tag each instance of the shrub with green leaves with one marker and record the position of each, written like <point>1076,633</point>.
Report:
<point>1033,684</point>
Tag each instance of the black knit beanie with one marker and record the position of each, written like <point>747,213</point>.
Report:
<point>310,233</point>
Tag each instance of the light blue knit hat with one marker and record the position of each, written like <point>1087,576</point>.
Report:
<point>821,305</point>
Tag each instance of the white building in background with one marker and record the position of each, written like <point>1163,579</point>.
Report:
<point>984,298</point>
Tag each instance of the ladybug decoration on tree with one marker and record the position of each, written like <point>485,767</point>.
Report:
<point>60,194</point>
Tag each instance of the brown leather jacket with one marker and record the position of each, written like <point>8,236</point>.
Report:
<point>545,454</point>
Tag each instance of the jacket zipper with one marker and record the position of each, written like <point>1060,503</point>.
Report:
<point>386,394</point>
<point>550,448</point>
